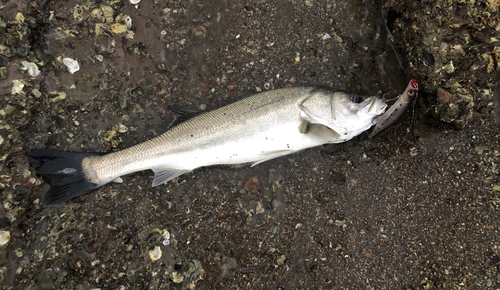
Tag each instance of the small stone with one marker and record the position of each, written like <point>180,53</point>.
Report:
<point>297,57</point>
<point>57,96</point>
<point>281,259</point>
<point>260,208</point>
<point>36,93</point>
<point>252,185</point>
<point>404,149</point>
<point>443,94</point>
<point>9,109</point>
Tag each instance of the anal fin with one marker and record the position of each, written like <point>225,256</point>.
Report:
<point>163,175</point>
<point>118,180</point>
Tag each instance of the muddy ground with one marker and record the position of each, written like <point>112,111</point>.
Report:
<point>416,207</point>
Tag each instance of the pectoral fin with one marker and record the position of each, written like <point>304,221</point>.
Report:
<point>163,175</point>
<point>322,132</point>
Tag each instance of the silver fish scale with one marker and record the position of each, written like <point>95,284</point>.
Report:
<point>214,129</point>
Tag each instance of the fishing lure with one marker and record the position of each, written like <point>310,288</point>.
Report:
<point>396,111</point>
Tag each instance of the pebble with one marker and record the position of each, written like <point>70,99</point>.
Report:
<point>281,259</point>
<point>252,185</point>
<point>443,94</point>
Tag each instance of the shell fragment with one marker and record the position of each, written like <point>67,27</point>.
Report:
<point>17,87</point>
<point>72,64</point>
<point>4,237</point>
<point>31,67</point>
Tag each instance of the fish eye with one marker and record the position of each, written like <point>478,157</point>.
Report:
<point>356,99</point>
<point>411,93</point>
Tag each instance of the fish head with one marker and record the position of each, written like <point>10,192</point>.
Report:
<point>346,113</point>
<point>352,114</point>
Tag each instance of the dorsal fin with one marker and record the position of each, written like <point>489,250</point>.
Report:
<point>181,115</point>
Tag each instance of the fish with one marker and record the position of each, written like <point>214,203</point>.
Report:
<point>397,109</point>
<point>252,130</point>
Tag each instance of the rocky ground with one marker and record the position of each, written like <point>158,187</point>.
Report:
<point>416,207</point>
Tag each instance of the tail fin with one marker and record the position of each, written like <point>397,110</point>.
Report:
<point>64,171</point>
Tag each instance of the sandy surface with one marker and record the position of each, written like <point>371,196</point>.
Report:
<point>416,207</point>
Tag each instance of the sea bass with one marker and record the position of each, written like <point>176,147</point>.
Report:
<point>264,126</point>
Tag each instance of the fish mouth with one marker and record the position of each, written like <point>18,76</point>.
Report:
<point>373,106</point>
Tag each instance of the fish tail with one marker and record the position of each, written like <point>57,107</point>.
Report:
<point>64,171</point>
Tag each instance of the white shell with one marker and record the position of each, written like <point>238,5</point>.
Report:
<point>72,64</point>
<point>177,278</point>
<point>134,2</point>
<point>166,238</point>
<point>155,254</point>
<point>17,87</point>
<point>4,237</point>
<point>31,67</point>
<point>128,20</point>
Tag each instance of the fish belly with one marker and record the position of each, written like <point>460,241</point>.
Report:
<point>256,147</point>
